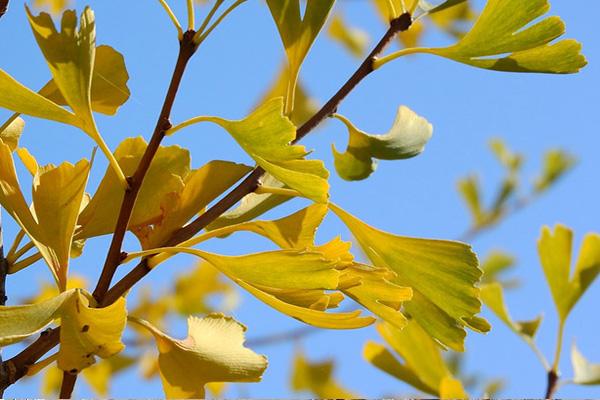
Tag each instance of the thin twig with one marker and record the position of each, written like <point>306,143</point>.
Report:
<point>3,7</point>
<point>251,182</point>
<point>552,384</point>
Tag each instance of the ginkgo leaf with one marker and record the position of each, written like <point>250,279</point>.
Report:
<point>470,191</point>
<point>167,172</point>
<point>296,231</point>
<point>554,250</point>
<point>12,133</point>
<point>109,88</point>
<point>442,274</point>
<point>585,372</point>
<point>493,297</point>
<point>70,56</point>
<point>556,164</point>
<point>266,135</point>
<point>87,332</point>
<point>506,37</point>
<point>377,293</point>
<point>100,375</point>
<point>212,352</point>
<point>353,39</point>
<point>406,139</point>
<point>423,366</point>
<point>317,378</point>
<point>200,187</point>
<point>494,264</point>
<point>57,195</point>
<point>298,31</point>
<point>20,322</point>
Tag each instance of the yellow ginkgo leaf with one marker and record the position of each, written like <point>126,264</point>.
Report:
<point>296,231</point>
<point>406,139</point>
<point>584,371</point>
<point>353,39</point>
<point>424,367</point>
<point>12,132</point>
<point>20,322</point>
<point>201,187</point>
<point>298,31</point>
<point>377,293</point>
<point>442,274</point>
<point>109,88</point>
<point>506,37</point>
<point>57,196</point>
<point>554,250</point>
<point>87,332</point>
<point>317,378</point>
<point>54,5</point>
<point>70,56</point>
<point>212,352</point>
<point>167,172</point>
<point>266,135</point>
<point>493,297</point>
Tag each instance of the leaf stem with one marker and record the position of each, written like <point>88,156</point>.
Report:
<point>173,18</point>
<point>12,258</point>
<point>191,15</point>
<point>200,36</point>
<point>13,248</point>
<point>210,14</point>
<point>26,262</point>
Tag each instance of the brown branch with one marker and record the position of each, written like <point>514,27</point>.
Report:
<point>67,386</point>
<point>3,7</point>
<point>252,181</point>
<point>552,384</point>
<point>187,48</point>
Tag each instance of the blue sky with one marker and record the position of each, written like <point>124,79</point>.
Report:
<point>417,197</point>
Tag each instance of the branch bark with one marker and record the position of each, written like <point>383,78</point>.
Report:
<point>67,386</point>
<point>3,7</point>
<point>552,384</point>
<point>3,298</point>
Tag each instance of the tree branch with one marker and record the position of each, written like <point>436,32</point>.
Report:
<point>3,274</point>
<point>187,48</point>
<point>552,384</point>
<point>67,386</point>
<point>252,181</point>
<point>3,7</point>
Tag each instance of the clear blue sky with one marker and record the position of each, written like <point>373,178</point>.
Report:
<point>417,197</point>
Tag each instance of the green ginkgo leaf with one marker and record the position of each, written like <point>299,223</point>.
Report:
<point>554,250</point>
<point>212,352</point>
<point>298,32</point>
<point>57,196</point>
<point>70,56</point>
<point>266,135</point>
<point>406,139</point>
<point>585,372</point>
<point>353,39</point>
<point>442,274</point>
<point>493,297</point>
<point>506,37</point>
<point>556,164</point>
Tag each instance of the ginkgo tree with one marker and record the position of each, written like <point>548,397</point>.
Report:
<point>424,294</point>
